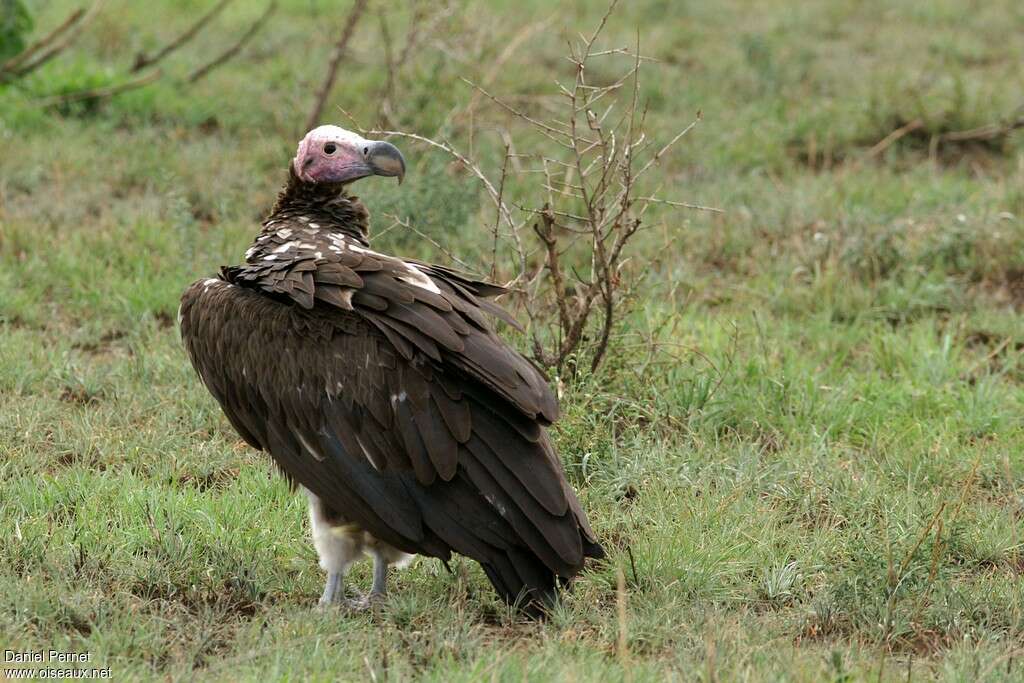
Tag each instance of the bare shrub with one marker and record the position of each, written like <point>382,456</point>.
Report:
<point>571,243</point>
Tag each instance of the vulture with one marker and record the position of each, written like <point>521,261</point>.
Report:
<point>378,385</point>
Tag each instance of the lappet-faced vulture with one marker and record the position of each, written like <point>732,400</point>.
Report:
<point>379,386</point>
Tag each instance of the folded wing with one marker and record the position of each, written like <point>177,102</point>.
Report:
<point>385,392</point>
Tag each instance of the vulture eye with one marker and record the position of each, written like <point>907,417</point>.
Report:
<point>330,148</point>
<point>366,150</point>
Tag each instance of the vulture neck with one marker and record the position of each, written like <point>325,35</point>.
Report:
<point>333,209</point>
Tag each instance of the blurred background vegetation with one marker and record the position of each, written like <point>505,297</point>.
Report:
<point>804,450</point>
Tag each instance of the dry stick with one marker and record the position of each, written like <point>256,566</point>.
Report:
<point>332,69</point>
<point>548,131</point>
<point>620,599</point>
<point>407,224</point>
<point>892,137</point>
<point>142,61</point>
<point>61,43</point>
<point>510,49</point>
<point>936,553</point>
<point>575,332</point>
<point>896,578</point>
<point>965,489</point>
<point>920,539</point>
<point>412,36</point>
<point>608,295</point>
<point>12,64</point>
<point>610,268</point>
<point>600,27</point>
<point>597,156</point>
<point>473,168</point>
<point>604,282</point>
<point>984,361</point>
<point>547,236</point>
<point>683,205</point>
<point>632,564</point>
<point>418,25</point>
<point>650,162</point>
<point>989,132</point>
<point>497,214</point>
<point>101,93</point>
<point>228,54</point>
<point>385,109</point>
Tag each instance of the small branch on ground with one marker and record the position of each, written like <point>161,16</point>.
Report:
<point>892,137</point>
<point>983,133</point>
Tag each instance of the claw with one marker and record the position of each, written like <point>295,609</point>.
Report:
<point>359,603</point>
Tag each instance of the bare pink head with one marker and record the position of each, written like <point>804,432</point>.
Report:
<point>329,154</point>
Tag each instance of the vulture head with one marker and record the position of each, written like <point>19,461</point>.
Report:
<point>333,155</point>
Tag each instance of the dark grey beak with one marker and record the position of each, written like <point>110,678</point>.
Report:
<point>385,159</point>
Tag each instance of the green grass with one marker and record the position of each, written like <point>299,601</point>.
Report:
<point>804,452</point>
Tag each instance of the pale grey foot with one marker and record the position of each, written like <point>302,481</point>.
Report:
<point>333,590</point>
<point>334,594</point>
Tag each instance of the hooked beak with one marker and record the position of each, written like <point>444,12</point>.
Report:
<point>384,159</point>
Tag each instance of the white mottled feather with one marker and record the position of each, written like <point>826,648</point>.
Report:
<point>417,278</point>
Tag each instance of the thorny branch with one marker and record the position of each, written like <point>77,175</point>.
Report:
<point>494,194</point>
<point>406,224</point>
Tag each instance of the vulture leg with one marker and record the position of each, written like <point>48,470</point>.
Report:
<point>380,577</point>
<point>338,546</point>
<point>333,590</point>
<point>384,556</point>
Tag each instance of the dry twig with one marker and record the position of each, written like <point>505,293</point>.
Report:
<point>228,54</point>
<point>332,68</point>
<point>12,64</point>
<point>142,60</point>
<point>982,133</point>
<point>407,224</point>
<point>101,93</point>
<point>892,137</point>
<point>50,45</point>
